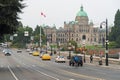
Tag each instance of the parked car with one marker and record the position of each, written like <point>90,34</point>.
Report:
<point>60,59</point>
<point>4,50</point>
<point>7,52</point>
<point>76,61</point>
<point>46,57</point>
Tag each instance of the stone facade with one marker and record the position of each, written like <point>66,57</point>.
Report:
<point>81,31</point>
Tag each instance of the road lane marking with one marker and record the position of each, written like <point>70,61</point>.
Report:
<point>41,72</point>
<point>13,74</point>
<point>81,75</point>
<point>71,79</point>
<point>47,75</point>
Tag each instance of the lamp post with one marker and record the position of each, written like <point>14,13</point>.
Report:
<point>40,38</point>
<point>106,51</point>
<point>51,42</point>
<point>46,40</point>
<point>84,52</point>
<point>59,47</point>
<point>69,48</point>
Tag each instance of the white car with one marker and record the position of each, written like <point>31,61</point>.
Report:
<point>28,50</point>
<point>60,59</point>
<point>19,51</point>
<point>7,52</point>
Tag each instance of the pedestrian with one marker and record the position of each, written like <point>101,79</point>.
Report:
<point>55,52</point>
<point>91,58</point>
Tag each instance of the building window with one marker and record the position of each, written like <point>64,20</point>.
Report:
<point>72,35</point>
<point>76,39</point>
<point>83,37</point>
<point>94,39</point>
<point>72,39</point>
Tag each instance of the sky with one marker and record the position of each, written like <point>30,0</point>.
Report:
<point>58,11</point>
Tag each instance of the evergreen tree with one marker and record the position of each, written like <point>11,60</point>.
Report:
<point>115,32</point>
<point>9,10</point>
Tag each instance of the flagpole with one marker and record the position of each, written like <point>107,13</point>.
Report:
<point>42,14</point>
<point>40,37</point>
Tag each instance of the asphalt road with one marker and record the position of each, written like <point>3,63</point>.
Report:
<point>22,66</point>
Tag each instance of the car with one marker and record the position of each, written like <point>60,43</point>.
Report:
<point>41,54</point>
<point>76,61</point>
<point>19,51</point>
<point>60,59</point>
<point>4,50</point>
<point>30,52</point>
<point>35,53</point>
<point>46,57</point>
<point>7,52</point>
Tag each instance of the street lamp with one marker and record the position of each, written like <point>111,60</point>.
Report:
<point>46,40</point>
<point>106,51</point>
<point>69,48</point>
<point>40,38</point>
<point>59,47</point>
<point>84,52</point>
<point>51,42</point>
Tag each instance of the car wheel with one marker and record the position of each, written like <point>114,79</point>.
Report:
<point>78,64</point>
<point>81,64</point>
<point>72,64</point>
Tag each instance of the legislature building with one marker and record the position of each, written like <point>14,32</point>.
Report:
<point>81,30</point>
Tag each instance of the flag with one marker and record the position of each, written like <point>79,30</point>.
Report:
<point>42,14</point>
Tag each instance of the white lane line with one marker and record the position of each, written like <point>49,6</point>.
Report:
<point>12,73</point>
<point>72,79</point>
<point>47,75</point>
<point>36,70</point>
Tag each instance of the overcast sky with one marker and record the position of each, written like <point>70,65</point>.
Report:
<point>58,11</point>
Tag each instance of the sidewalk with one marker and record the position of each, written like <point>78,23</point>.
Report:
<point>96,62</point>
<point>111,66</point>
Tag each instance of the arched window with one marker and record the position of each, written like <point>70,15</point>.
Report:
<point>76,39</point>
<point>83,37</point>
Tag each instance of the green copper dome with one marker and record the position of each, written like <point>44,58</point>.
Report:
<point>81,12</point>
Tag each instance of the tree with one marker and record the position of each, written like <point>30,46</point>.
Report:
<point>9,10</point>
<point>115,31</point>
<point>20,40</point>
<point>37,34</point>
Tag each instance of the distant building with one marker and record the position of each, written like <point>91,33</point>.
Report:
<point>81,31</point>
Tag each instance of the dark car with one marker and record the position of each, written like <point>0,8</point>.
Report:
<point>76,61</point>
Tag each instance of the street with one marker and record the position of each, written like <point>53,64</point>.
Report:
<point>22,66</point>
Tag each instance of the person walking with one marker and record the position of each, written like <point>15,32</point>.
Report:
<point>91,58</point>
